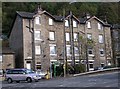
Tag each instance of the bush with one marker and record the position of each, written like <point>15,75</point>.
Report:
<point>79,68</point>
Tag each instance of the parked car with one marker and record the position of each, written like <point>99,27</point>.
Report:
<point>98,68</point>
<point>1,72</point>
<point>41,73</point>
<point>106,67</point>
<point>21,75</point>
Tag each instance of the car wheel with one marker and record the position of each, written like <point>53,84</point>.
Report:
<point>29,80</point>
<point>9,80</point>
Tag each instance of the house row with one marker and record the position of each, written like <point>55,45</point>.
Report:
<point>39,39</point>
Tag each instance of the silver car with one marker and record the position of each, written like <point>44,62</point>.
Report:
<point>21,75</point>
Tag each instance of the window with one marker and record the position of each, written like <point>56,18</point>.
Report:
<point>0,58</point>
<point>37,50</point>
<point>68,49</point>
<point>90,51</point>
<point>76,50</point>
<point>52,35</point>
<point>100,38</point>
<point>102,64</point>
<point>75,36</point>
<point>52,49</point>
<point>88,24</point>
<point>37,35</point>
<point>74,23</point>
<point>50,21</point>
<point>89,36</point>
<point>37,20</point>
<point>101,52</point>
<point>66,23</point>
<point>99,26</point>
<point>67,36</point>
<point>91,65</point>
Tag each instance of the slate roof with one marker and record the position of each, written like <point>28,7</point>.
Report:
<point>25,14</point>
<point>60,18</point>
<point>82,20</point>
<point>115,26</point>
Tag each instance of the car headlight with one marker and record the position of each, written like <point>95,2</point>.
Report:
<point>34,76</point>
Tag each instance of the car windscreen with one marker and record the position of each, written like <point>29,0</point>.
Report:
<point>28,71</point>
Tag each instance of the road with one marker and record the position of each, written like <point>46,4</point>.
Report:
<point>98,80</point>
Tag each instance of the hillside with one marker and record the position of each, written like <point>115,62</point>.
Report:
<point>103,11</point>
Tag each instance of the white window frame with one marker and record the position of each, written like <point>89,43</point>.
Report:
<point>74,23</point>
<point>89,36</point>
<point>75,36</point>
<point>68,50</point>
<point>88,24</point>
<point>91,63</point>
<point>101,39</point>
<point>53,47</point>
<point>37,35</point>
<point>1,58</point>
<point>76,50</point>
<point>52,35</point>
<point>102,64</point>
<point>100,26</point>
<point>90,49</point>
<point>50,21</point>
<point>37,50</point>
<point>67,36</point>
<point>38,20</point>
<point>66,23</point>
<point>102,51</point>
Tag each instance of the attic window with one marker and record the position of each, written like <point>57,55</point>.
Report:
<point>74,23</point>
<point>66,23</point>
<point>88,24</point>
<point>50,21</point>
<point>99,26</point>
<point>37,20</point>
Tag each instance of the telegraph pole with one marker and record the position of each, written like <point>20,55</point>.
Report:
<point>72,39</point>
<point>64,37</point>
<point>33,45</point>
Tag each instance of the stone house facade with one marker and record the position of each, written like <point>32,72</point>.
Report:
<point>38,40</point>
<point>115,30</point>
<point>7,58</point>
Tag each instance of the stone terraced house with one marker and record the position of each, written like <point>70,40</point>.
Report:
<point>38,40</point>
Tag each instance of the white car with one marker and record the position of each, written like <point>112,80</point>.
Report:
<point>41,73</point>
<point>21,75</point>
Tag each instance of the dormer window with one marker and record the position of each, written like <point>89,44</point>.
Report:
<point>66,23</point>
<point>50,21</point>
<point>88,24</point>
<point>37,20</point>
<point>74,23</point>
